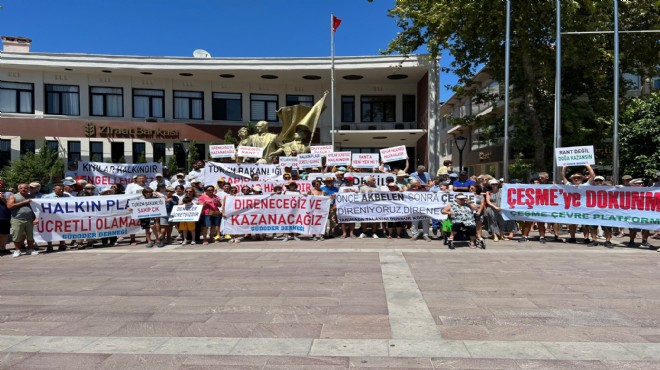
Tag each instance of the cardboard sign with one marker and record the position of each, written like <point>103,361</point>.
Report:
<point>575,156</point>
<point>185,213</point>
<point>222,151</point>
<point>309,160</point>
<point>365,160</point>
<point>236,173</point>
<point>250,151</point>
<point>289,162</point>
<point>338,159</point>
<point>147,208</point>
<point>323,150</point>
<point>395,153</point>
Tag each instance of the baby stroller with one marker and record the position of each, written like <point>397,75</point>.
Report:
<point>462,236</point>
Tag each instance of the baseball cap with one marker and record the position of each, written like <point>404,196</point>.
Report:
<point>626,177</point>
<point>453,174</point>
<point>349,178</point>
<point>35,184</point>
<point>636,181</point>
<point>170,188</point>
<point>342,168</point>
<point>159,174</point>
<point>461,196</point>
<point>389,179</point>
<point>599,178</point>
<point>339,173</point>
<point>463,173</point>
<point>493,182</point>
<point>90,186</point>
<point>180,175</point>
<point>68,182</point>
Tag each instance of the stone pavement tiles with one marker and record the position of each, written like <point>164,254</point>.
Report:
<point>332,305</point>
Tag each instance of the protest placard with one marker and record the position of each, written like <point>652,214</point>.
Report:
<point>99,173</point>
<point>273,214</point>
<point>309,160</point>
<point>222,151</point>
<point>250,151</point>
<point>184,213</point>
<point>393,206</point>
<point>338,159</point>
<point>365,160</point>
<point>289,162</point>
<point>575,156</point>
<point>148,208</point>
<point>304,186</point>
<point>237,173</point>
<point>323,150</point>
<point>395,153</point>
<point>75,218</point>
<point>629,207</point>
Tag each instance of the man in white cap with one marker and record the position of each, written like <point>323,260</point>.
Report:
<point>639,183</point>
<point>158,179</point>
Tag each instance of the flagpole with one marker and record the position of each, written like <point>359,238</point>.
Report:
<point>557,128</point>
<point>332,79</point>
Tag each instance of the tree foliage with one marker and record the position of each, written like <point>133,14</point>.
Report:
<point>473,31</point>
<point>39,167</point>
<point>640,137</point>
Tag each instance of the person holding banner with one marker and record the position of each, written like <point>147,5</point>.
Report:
<point>316,190</point>
<point>368,187</point>
<point>171,200</point>
<point>210,212</point>
<point>638,183</point>
<point>577,179</point>
<point>331,190</point>
<point>58,192</point>
<point>421,175</point>
<point>498,227</point>
<point>291,189</point>
<point>150,225</point>
<point>22,220</point>
<point>187,228</point>
<point>416,185</point>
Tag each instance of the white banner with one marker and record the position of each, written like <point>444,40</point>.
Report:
<point>365,160</point>
<point>338,159</point>
<point>237,173</point>
<point>289,162</point>
<point>323,150</point>
<point>309,160</point>
<point>99,173</point>
<point>185,213</point>
<point>222,151</point>
<point>575,156</point>
<point>393,206</point>
<point>358,177</point>
<point>250,151</point>
<point>629,207</point>
<point>274,214</point>
<point>147,208</point>
<point>74,218</point>
<point>395,153</point>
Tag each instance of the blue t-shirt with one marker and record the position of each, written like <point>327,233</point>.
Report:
<point>330,190</point>
<point>466,184</point>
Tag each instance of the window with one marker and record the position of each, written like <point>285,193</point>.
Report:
<point>96,151</point>
<point>106,101</point>
<point>188,105</point>
<point>159,152</point>
<point>348,108</point>
<point>306,100</point>
<point>53,145</point>
<point>63,99</point>
<point>73,151</point>
<point>139,153</point>
<point>409,108</point>
<point>28,146</point>
<point>378,108</point>
<point>148,103</point>
<point>263,107</point>
<point>16,97</point>
<point>227,107</point>
<point>117,152</point>
<point>5,152</point>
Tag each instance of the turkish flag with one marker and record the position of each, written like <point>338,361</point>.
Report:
<point>335,23</point>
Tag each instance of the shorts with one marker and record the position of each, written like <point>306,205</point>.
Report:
<point>4,227</point>
<point>146,223</point>
<point>187,226</point>
<point>22,230</point>
<point>164,221</point>
<point>595,228</point>
<point>210,221</point>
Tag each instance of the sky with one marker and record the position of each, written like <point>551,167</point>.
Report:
<point>224,28</point>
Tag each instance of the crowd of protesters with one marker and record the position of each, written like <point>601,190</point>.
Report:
<point>485,213</point>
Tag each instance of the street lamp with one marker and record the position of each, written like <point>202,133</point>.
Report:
<point>186,145</point>
<point>460,144</point>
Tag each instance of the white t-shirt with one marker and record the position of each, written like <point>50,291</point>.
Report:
<point>133,188</point>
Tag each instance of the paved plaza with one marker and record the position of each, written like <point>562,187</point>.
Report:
<point>337,304</point>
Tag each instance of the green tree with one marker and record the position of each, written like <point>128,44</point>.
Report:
<point>40,167</point>
<point>229,138</point>
<point>193,154</point>
<point>172,165</point>
<point>473,31</point>
<point>640,137</point>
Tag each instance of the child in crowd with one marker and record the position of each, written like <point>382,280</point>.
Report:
<point>187,228</point>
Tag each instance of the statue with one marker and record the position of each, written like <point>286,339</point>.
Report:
<point>243,136</point>
<point>264,139</point>
<point>294,146</point>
